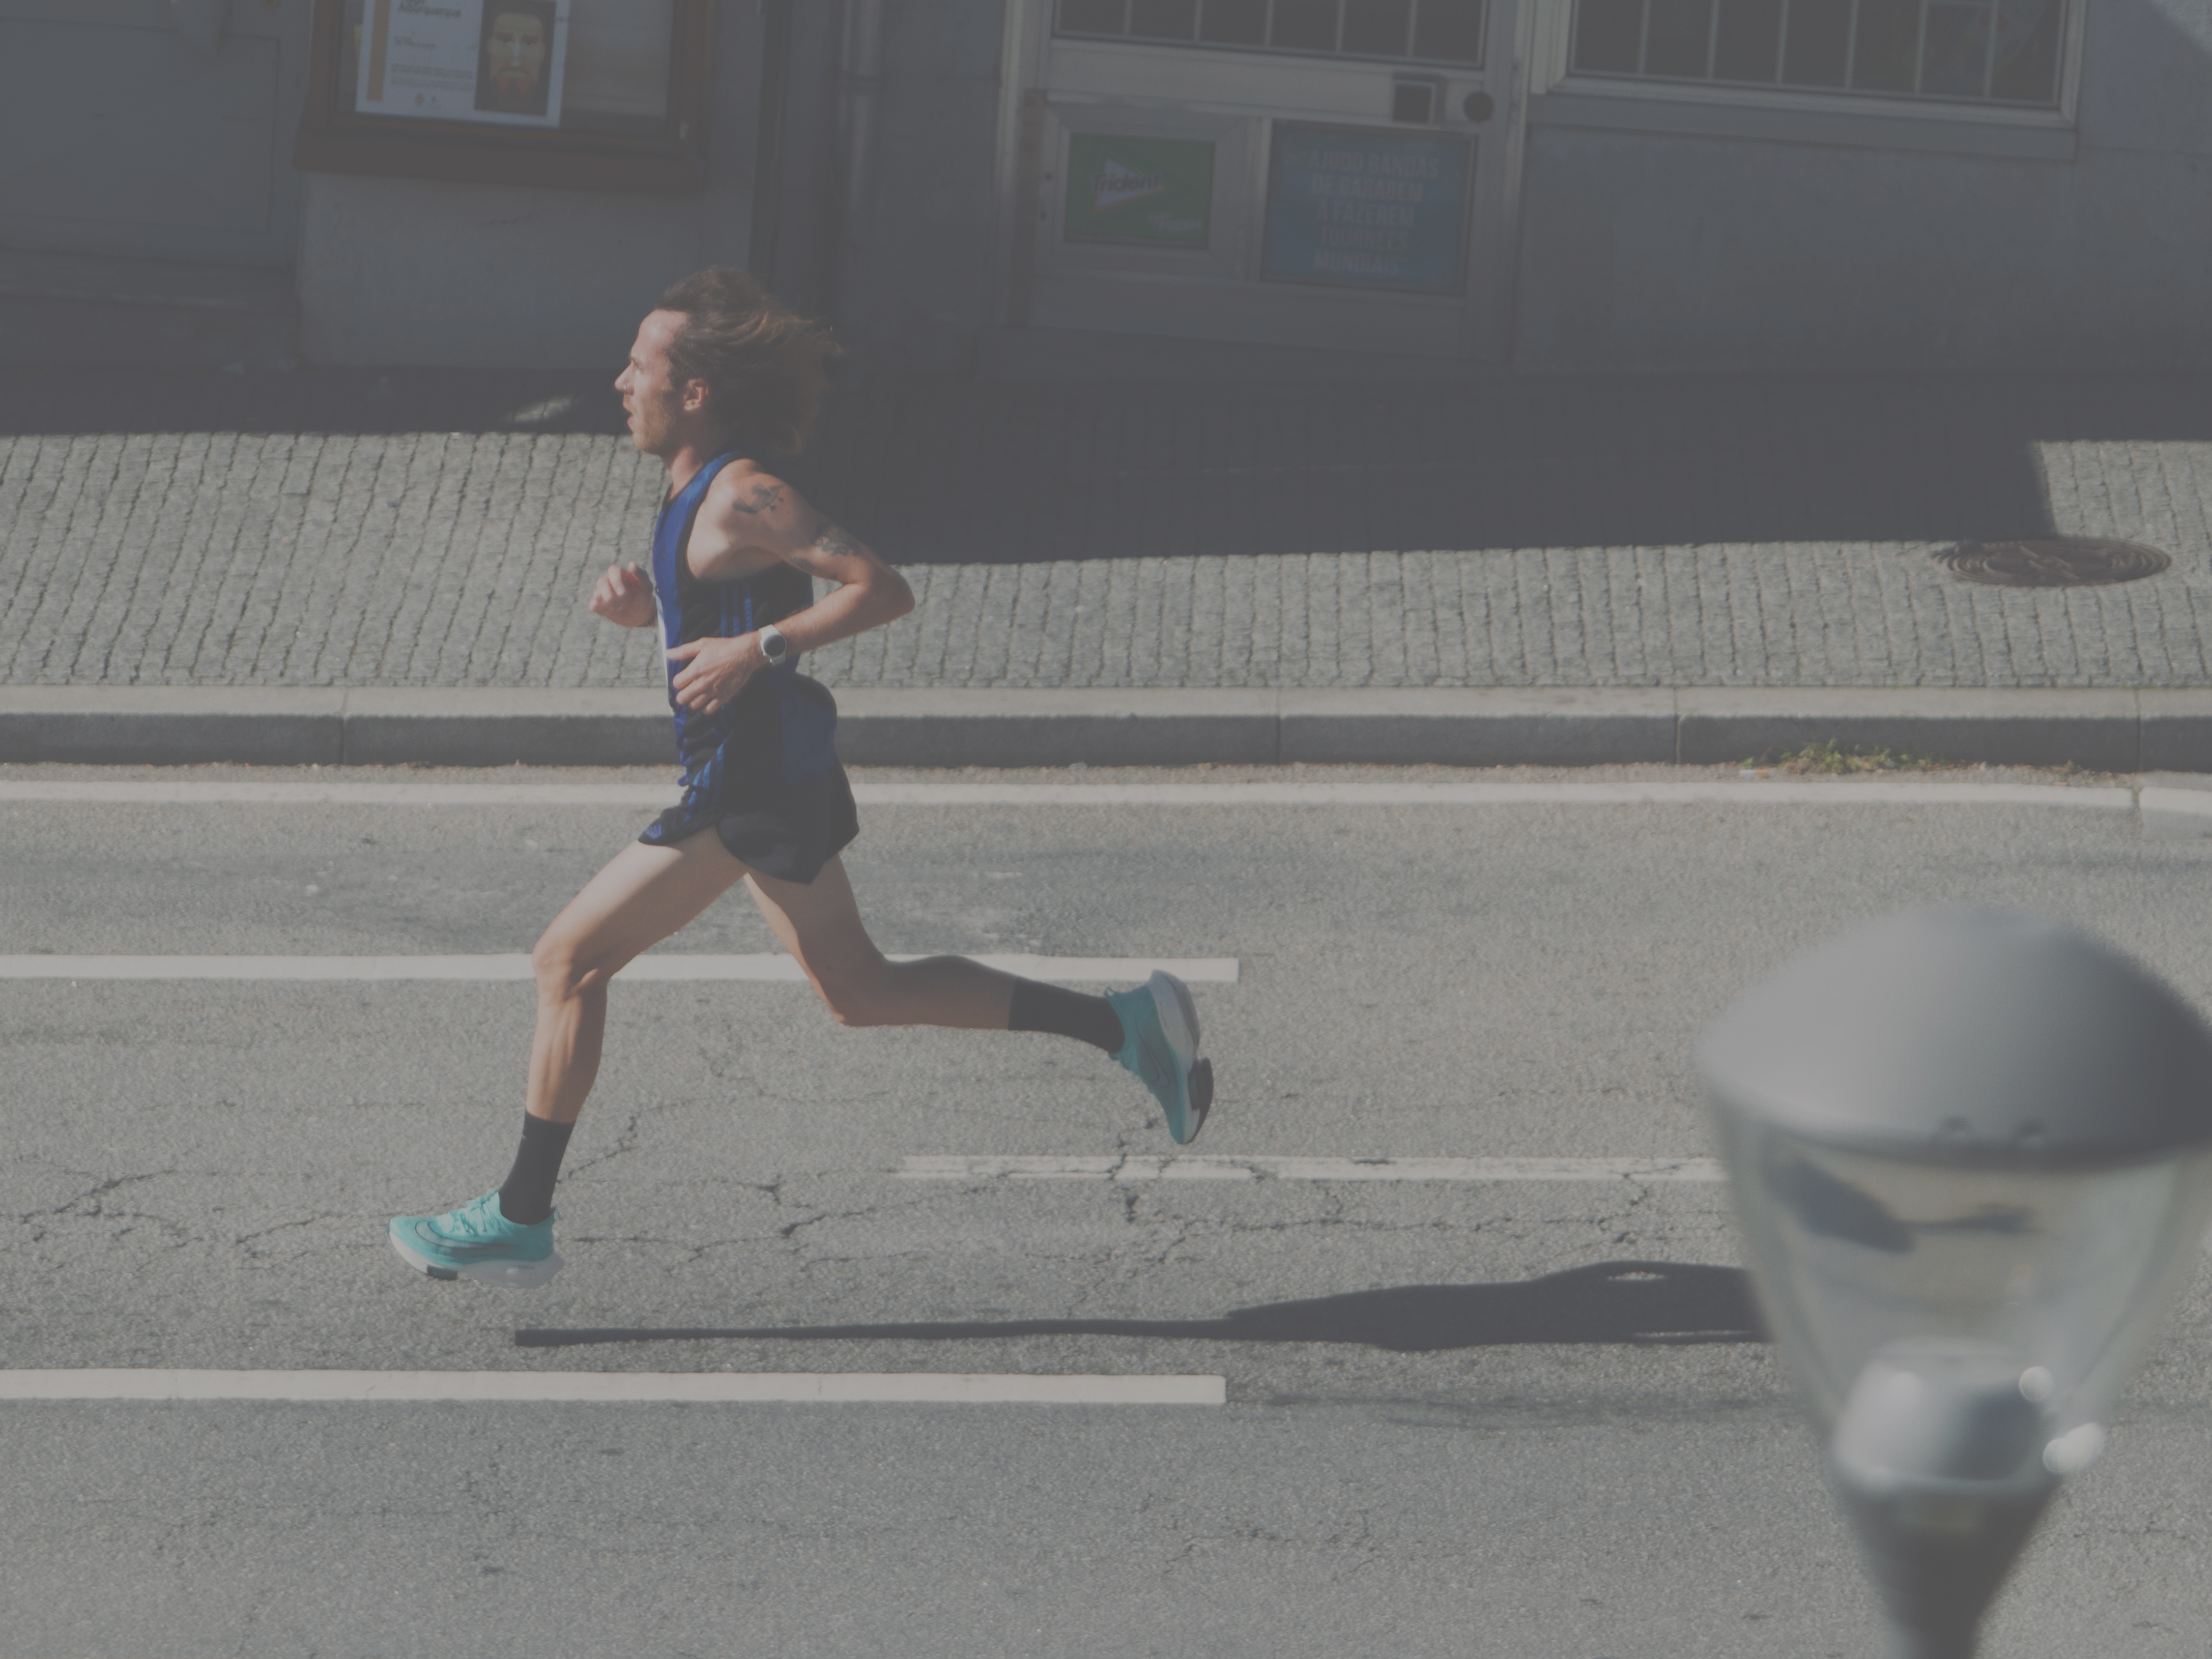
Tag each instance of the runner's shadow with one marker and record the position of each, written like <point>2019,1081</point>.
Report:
<point>1641,1303</point>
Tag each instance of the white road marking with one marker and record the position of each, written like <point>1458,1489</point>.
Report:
<point>1201,1166</point>
<point>1761,793</point>
<point>673,967</point>
<point>2195,803</point>
<point>653,797</point>
<point>699,1387</point>
<point>151,792</point>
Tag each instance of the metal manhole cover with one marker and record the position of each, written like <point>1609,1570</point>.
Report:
<point>2060,562</point>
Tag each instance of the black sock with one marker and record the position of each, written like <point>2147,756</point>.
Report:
<point>526,1197</point>
<point>1039,1007</point>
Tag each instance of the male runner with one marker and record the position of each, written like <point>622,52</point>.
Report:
<point>720,377</point>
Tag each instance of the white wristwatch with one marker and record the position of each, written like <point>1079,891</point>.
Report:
<point>774,646</point>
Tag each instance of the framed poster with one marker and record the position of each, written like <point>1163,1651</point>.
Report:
<point>626,87</point>
<point>495,61</point>
<point>1355,207</point>
<point>1153,190</point>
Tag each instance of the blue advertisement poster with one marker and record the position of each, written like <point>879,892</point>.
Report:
<point>1358,208</point>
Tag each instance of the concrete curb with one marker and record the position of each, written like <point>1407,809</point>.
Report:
<point>2115,731</point>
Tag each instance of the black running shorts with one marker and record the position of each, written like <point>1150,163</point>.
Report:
<point>787,831</point>
<point>774,792</point>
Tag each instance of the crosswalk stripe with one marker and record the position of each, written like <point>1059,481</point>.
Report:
<point>1763,792</point>
<point>153,791</point>
<point>1206,1167</point>
<point>672,967</point>
<point>698,1387</point>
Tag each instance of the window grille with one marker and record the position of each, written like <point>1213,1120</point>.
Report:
<point>1999,51</point>
<point>1422,30</point>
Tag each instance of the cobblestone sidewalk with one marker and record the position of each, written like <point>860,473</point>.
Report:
<point>334,529</point>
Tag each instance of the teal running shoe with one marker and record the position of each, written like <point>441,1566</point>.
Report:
<point>1159,1043</point>
<point>477,1242</point>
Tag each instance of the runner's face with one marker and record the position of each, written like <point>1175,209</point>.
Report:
<point>651,400</point>
<point>518,51</point>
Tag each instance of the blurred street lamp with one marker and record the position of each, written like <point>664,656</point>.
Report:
<point>1971,1153</point>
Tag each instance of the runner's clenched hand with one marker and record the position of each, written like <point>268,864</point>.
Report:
<point>623,595</point>
<point>718,670</point>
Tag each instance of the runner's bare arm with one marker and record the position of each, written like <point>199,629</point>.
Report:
<point>623,595</point>
<point>755,521</point>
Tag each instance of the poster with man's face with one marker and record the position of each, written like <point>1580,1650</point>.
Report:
<point>514,60</point>
<point>499,61</point>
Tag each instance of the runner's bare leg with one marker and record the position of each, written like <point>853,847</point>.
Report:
<point>643,896</point>
<point>819,923</point>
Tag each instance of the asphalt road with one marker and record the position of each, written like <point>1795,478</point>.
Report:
<point>1464,1417</point>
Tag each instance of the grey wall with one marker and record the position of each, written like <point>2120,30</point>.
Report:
<point>806,239</point>
<point>1651,253</point>
<point>930,282</point>
<point>1640,252</point>
<point>121,136</point>
<point>403,271</point>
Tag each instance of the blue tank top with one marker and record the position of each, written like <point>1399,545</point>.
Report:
<point>689,608</point>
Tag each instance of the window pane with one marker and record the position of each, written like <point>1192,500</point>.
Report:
<point>1889,40</point>
<point>1091,16</point>
<point>1155,191</point>
<point>1234,22</point>
<point>1305,25</point>
<point>1164,19</point>
<point>1606,35</point>
<point>1820,32</point>
<point>1750,40</point>
<point>1449,30</point>
<point>1377,28</point>
<point>1957,51</point>
<point>2028,52</point>
<point>1681,31</point>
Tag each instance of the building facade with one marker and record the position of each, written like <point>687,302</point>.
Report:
<point>1410,187</point>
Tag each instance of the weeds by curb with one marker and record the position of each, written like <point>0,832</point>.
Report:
<point>1831,759</point>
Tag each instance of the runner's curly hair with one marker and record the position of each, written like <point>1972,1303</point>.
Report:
<point>765,366</point>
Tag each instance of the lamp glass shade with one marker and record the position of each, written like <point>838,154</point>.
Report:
<point>2065,1274</point>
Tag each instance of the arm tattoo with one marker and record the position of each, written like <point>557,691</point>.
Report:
<point>765,498</point>
<point>828,542</point>
<point>824,545</point>
<point>831,539</point>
